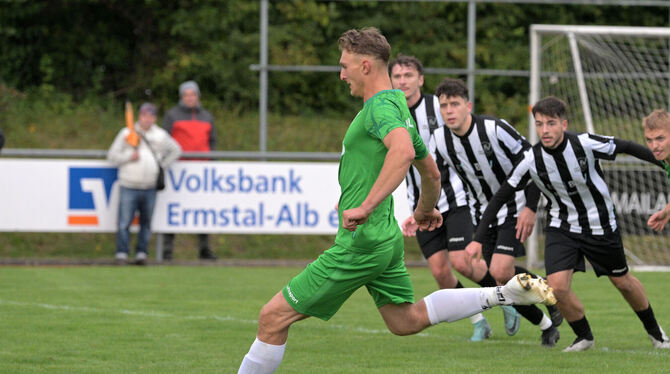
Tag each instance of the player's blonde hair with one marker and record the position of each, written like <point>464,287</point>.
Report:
<point>658,119</point>
<point>367,41</point>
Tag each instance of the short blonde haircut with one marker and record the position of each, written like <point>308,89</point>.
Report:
<point>367,41</point>
<point>658,119</point>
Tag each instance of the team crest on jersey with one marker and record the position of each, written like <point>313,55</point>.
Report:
<point>583,166</point>
<point>488,149</point>
<point>432,123</point>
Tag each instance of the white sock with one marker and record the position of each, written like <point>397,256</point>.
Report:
<point>450,305</point>
<point>263,358</point>
<point>476,318</point>
<point>545,323</point>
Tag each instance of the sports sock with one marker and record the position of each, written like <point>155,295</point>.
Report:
<point>531,313</point>
<point>451,305</point>
<point>477,317</point>
<point>262,358</point>
<point>487,281</point>
<point>581,328</point>
<point>545,323</point>
<point>650,323</point>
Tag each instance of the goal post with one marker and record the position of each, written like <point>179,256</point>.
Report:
<point>611,78</point>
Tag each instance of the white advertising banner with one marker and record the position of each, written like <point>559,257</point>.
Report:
<point>46,195</point>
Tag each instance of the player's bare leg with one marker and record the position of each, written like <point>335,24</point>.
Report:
<point>267,351</point>
<point>572,309</point>
<point>633,291</point>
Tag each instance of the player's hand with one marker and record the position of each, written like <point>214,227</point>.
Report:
<point>409,226</point>
<point>524,224</point>
<point>428,221</point>
<point>351,218</point>
<point>135,156</point>
<point>658,220</point>
<point>473,251</point>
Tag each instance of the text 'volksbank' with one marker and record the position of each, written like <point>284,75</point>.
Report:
<point>245,198</point>
<point>211,180</point>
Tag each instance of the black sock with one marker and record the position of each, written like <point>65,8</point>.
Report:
<point>530,312</point>
<point>581,328</point>
<point>487,281</point>
<point>649,322</point>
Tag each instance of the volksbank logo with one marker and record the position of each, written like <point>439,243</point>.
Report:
<point>90,195</point>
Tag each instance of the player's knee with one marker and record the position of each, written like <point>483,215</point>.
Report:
<point>500,274</point>
<point>462,268</point>
<point>561,291</point>
<point>268,318</point>
<point>623,283</point>
<point>444,277</point>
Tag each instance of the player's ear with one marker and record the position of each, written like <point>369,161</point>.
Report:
<point>366,66</point>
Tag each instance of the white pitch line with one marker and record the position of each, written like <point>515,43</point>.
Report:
<point>330,326</point>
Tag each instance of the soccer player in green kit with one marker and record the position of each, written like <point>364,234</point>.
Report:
<point>377,150</point>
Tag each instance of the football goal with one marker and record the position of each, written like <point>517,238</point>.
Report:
<point>611,78</point>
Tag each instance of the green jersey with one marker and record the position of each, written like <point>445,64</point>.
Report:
<point>667,169</point>
<point>363,154</point>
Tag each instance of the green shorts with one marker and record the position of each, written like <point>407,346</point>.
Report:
<point>325,284</point>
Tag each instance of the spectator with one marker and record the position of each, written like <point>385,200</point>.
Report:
<point>193,128</point>
<point>2,139</point>
<point>138,171</point>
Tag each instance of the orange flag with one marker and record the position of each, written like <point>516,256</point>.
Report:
<point>132,138</point>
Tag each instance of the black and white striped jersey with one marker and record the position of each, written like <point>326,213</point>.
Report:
<point>483,158</point>
<point>571,179</point>
<point>426,113</point>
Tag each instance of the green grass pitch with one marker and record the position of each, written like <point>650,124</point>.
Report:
<point>178,319</point>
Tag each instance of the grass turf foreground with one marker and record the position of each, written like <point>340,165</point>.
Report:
<point>180,319</point>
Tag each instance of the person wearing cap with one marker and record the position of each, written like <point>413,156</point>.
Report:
<point>138,171</point>
<point>193,128</point>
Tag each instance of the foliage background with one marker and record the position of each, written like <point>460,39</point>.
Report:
<point>66,66</point>
<point>118,49</point>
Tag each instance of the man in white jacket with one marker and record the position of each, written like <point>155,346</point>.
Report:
<point>138,171</point>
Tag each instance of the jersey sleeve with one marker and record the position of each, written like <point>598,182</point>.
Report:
<point>520,174</point>
<point>510,138</point>
<point>602,146</point>
<point>387,116</point>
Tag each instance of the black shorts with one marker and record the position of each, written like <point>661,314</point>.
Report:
<point>454,234</point>
<point>502,239</point>
<point>566,251</point>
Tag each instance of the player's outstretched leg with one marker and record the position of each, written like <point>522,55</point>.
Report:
<point>523,289</point>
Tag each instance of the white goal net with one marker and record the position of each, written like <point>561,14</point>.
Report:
<point>611,78</point>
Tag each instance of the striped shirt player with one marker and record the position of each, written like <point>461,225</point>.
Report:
<point>427,116</point>
<point>443,248</point>
<point>453,197</point>
<point>483,158</point>
<point>483,150</point>
<point>581,218</point>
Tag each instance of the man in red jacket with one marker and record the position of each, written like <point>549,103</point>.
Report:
<point>193,128</point>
